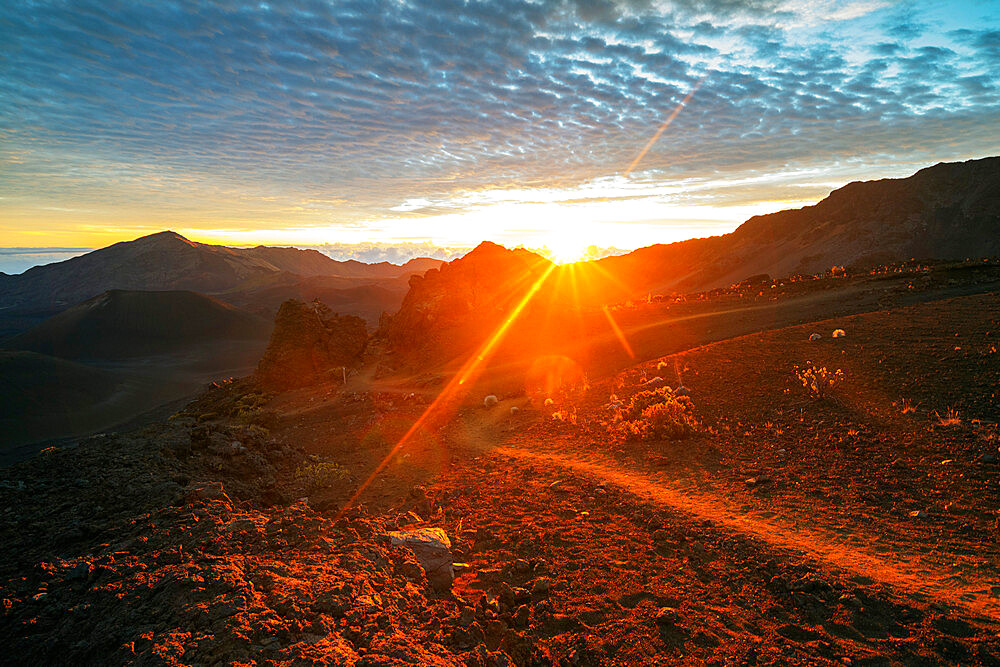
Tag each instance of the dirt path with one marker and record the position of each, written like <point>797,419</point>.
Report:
<point>619,544</point>
<point>892,564</point>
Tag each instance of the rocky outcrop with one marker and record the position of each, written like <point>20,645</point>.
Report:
<point>449,311</point>
<point>310,345</point>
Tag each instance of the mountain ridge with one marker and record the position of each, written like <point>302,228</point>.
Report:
<point>950,210</point>
<point>168,261</point>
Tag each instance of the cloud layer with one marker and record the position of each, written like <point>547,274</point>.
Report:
<point>235,115</point>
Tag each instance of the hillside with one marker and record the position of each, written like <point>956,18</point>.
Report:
<point>120,324</point>
<point>948,211</point>
<point>859,529</point>
<point>42,396</point>
<point>365,299</point>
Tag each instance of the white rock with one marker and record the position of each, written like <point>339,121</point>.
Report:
<point>814,336</point>
<point>432,549</point>
<point>490,401</point>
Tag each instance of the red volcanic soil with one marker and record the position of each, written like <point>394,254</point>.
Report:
<point>856,529</point>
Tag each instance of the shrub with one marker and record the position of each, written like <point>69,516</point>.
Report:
<point>317,475</point>
<point>819,382</point>
<point>656,415</point>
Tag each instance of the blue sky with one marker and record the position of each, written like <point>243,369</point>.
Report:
<point>445,121</point>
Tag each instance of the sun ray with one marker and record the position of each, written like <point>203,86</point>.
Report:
<point>452,392</point>
<point>619,334</point>
<point>663,127</point>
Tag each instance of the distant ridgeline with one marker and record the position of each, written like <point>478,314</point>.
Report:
<point>256,279</point>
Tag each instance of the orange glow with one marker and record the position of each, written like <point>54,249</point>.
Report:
<point>452,391</point>
<point>552,374</point>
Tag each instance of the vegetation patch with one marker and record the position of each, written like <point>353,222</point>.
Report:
<point>820,382</point>
<point>317,475</point>
<point>657,414</point>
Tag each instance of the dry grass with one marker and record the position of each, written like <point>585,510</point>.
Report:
<point>950,418</point>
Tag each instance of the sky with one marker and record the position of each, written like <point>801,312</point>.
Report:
<point>406,125</point>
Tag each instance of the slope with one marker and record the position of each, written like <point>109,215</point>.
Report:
<point>120,324</point>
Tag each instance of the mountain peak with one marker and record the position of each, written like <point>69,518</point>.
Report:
<point>166,236</point>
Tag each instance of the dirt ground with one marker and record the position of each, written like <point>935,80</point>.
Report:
<point>859,528</point>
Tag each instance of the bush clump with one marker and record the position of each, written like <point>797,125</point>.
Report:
<point>657,414</point>
<point>818,381</point>
<point>314,476</point>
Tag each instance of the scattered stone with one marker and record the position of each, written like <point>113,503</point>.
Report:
<point>759,480</point>
<point>918,514</point>
<point>667,616</point>
<point>682,391</point>
<point>207,492</point>
<point>541,586</point>
<point>814,336</point>
<point>490,401</point>
<point>514,410</point>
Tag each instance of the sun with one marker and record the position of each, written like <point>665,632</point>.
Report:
<point>566,250</point>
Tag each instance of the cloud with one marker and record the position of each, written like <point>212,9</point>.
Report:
<point>311,112</point>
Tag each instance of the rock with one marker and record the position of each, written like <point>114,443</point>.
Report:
<point>207,492</point>
<point>467,617</point>
<point>682,391</point>
<point>514,410</point>
<point>310,345</point>
<point>667,616</point>
<point>654,383</point>
<point>541,586</point>
<point>918,514</point>
<point>988,458</point>
<point>80,572</point>
<point>490,401</point>
<point>759,480</point>
<point>432,549</point>
<point>814,336</point>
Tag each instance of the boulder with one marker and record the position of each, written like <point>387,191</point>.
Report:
<point>310,345</point>
<point>432,549</point>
